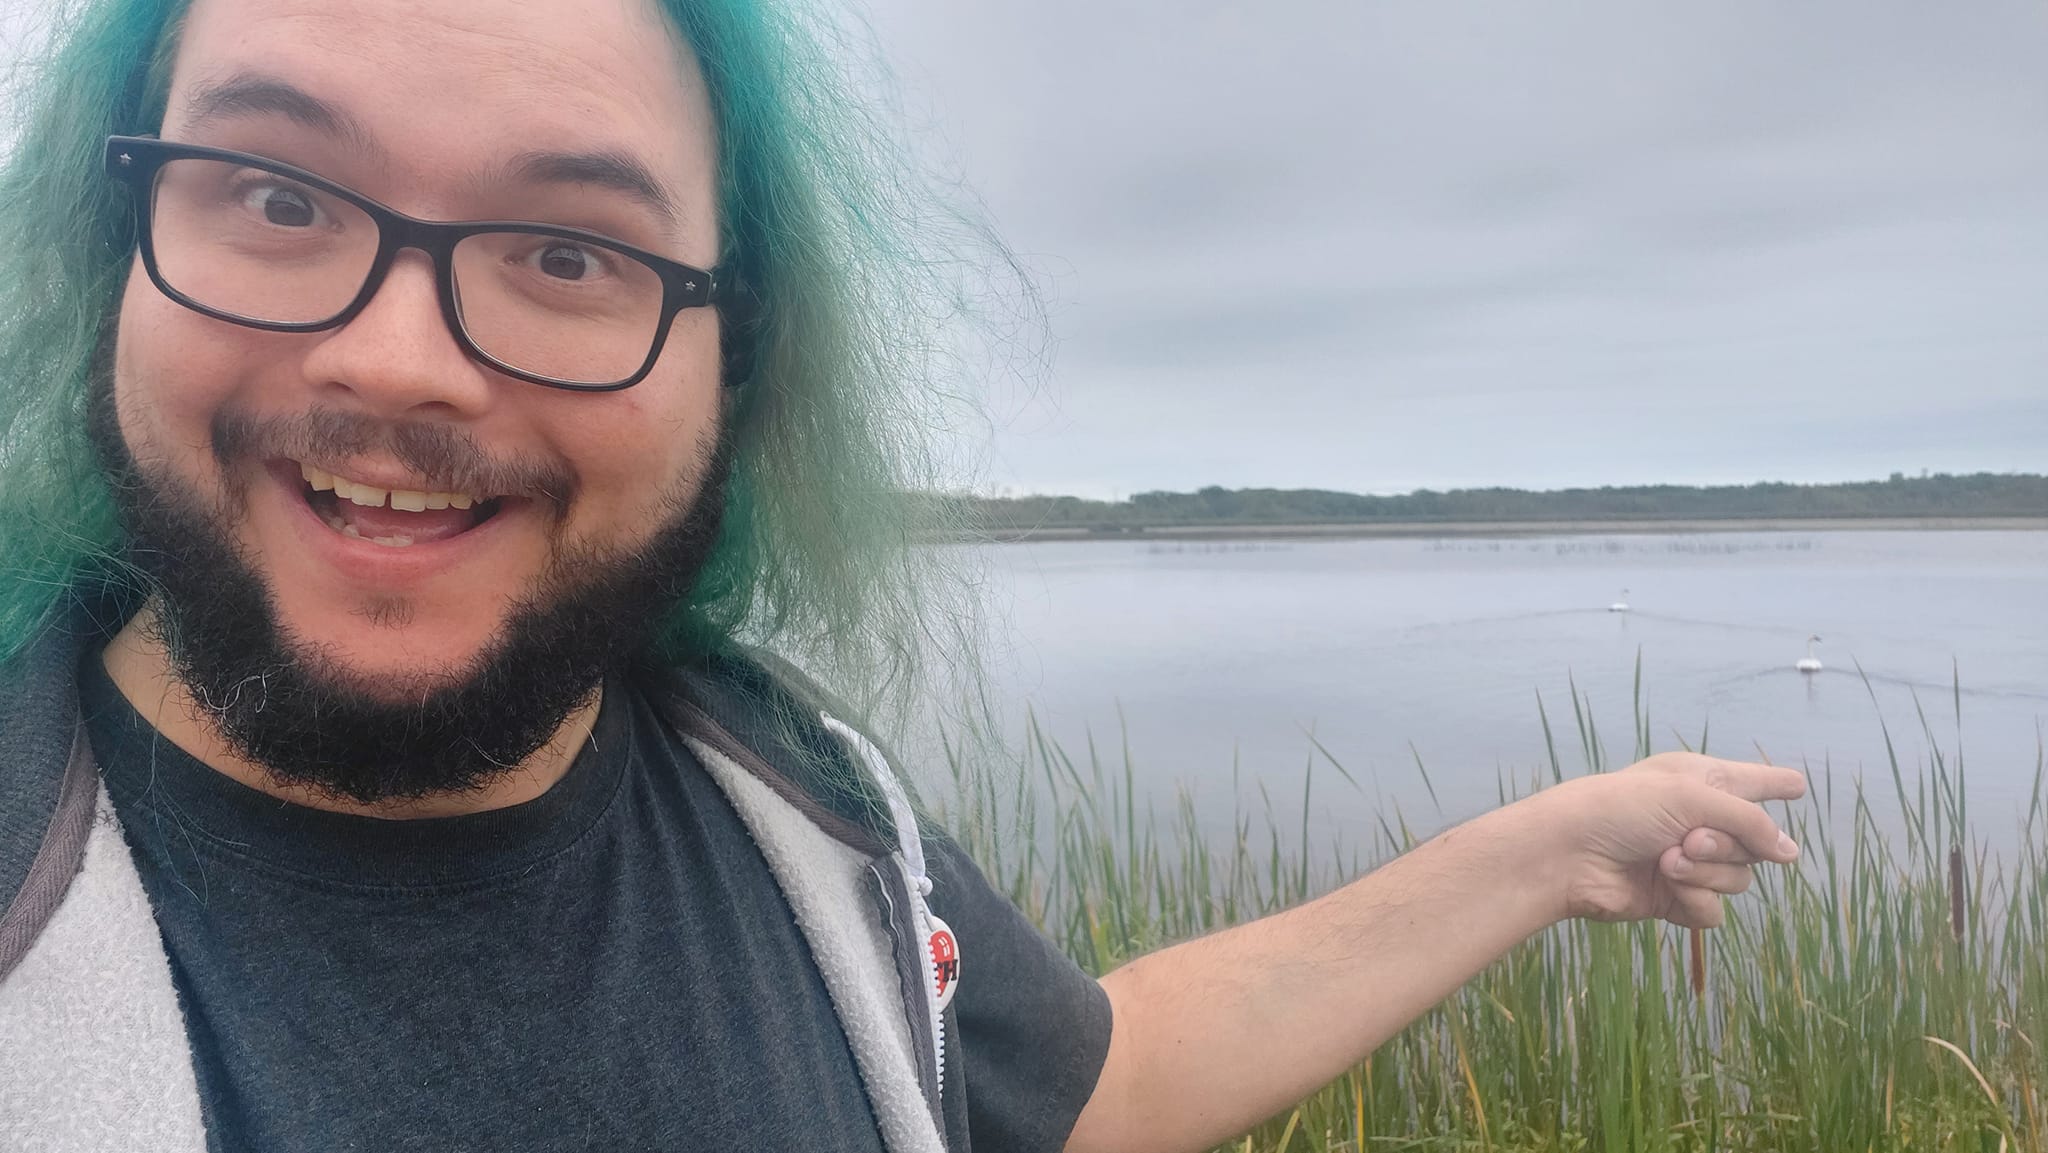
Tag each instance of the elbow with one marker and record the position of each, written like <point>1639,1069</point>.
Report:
<point>1110,1122</point>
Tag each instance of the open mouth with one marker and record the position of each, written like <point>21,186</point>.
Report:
<point>394,518</point>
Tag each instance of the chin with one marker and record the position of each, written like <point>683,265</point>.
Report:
<point>390,647</point>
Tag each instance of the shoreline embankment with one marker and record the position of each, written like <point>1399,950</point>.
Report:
<point>1356,530</point>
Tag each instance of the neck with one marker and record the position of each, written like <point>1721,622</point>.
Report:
<point>141,669</point>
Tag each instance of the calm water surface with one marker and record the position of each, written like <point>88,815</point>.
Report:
<point>1390,649</point>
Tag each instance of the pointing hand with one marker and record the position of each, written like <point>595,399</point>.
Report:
<point>1665,837</point>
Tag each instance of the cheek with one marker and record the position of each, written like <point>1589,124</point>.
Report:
<point>634,446</point>
<point>170,376</point>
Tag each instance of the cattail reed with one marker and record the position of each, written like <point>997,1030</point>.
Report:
<point>1955,890</point>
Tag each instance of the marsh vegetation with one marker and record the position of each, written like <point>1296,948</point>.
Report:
<point>1890,992</point>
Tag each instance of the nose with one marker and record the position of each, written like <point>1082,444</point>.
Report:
<point>396,358</point>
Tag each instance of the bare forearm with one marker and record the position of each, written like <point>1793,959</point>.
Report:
<point>1215,1035</point>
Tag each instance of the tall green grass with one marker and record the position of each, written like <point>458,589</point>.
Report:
<point>1890,992</point>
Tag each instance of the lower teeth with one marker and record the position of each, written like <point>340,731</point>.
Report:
<point>350,531</point>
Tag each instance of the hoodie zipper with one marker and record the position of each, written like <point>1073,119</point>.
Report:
<point>910,858</point>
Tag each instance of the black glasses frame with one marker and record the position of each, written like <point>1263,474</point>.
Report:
<point>136,160</point>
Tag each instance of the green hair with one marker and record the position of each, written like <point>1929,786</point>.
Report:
<point>863,271</point>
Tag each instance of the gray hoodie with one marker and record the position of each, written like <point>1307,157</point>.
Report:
<point>93,1052</point>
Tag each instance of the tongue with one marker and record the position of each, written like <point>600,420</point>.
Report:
<point>431,525</point>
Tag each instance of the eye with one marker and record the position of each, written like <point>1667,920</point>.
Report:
<point>283,206</point>
<point>566,261</point>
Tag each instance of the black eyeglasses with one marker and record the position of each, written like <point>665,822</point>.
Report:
<point>248,240</point>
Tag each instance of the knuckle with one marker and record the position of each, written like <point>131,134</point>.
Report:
<point>1661,763</point>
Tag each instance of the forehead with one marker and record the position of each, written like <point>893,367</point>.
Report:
<point>448,85</point>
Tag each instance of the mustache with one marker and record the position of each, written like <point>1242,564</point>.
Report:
<point>448,458</point>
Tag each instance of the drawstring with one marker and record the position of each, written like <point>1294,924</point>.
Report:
<point>907,840</point>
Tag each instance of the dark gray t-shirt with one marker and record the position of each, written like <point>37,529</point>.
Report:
<point>579,972</point>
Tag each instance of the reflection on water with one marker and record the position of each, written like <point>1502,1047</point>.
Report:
<point>1215,651</point>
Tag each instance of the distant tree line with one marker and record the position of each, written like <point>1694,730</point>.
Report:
<point>1940,495</point>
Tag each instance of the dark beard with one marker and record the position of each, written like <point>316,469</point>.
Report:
<point>294,713</point>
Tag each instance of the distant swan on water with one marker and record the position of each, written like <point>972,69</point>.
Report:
<point>1809,663</point>
<point>1620,606</point>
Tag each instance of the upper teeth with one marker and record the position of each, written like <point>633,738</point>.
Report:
<point>370,496</point>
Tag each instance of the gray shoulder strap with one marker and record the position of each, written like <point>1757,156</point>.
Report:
<point>96,1056</point>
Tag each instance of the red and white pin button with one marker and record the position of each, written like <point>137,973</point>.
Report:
<point>945,953</point>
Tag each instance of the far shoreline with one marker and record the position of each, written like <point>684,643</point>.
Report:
<point>1501,529</point>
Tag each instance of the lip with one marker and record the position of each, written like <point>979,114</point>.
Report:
<point>368,563</point>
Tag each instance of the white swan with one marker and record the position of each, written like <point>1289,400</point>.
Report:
<point>1620,606</point>
<point>1809,663</point>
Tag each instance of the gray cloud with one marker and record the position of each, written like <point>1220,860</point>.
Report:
<point>1377,246</point>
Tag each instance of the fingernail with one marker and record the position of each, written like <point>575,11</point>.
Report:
<point>1682,865</point>
<point>1786,847</point>
<point>1708,844</point>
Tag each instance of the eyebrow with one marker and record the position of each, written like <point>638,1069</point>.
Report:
<point>603,169</point>
<point>254,94</point>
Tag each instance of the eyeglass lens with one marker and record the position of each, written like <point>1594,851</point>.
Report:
<point>263,247</point>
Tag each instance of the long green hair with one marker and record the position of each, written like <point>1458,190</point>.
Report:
<point>863,272</point>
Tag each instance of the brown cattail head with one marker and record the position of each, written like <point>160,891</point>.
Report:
<point>1699,963</point>
<point>1955,891</point>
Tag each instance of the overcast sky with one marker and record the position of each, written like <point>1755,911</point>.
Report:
<point>1377,246</point>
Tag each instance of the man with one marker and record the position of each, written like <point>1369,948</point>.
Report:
<point>408,410</point>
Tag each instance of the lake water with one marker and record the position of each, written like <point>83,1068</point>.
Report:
<point>1202,651</point>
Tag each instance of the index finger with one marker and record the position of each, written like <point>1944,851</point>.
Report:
<point>1754,782</point>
